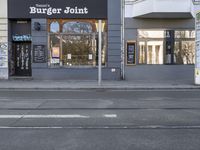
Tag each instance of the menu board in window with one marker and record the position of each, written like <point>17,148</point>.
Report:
<point>39,54</point>
<point>131,53</point>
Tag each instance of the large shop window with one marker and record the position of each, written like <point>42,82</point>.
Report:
<point>74,43</point>
<point>152,47</point>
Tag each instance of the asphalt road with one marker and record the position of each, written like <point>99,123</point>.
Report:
<point>100,120</point>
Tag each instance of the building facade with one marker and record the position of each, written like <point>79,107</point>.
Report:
<point>59,40</point>
<point>162,34</point>
<point>45,39</point>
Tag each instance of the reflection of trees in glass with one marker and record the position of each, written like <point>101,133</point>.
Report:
<point>186,53</point>
<point>157,53</point>
<point>150,55</point>
<point>77,42</point>
<point>77,27</point>
<point>142,53</point>
<point>55,40</point>
<point>79,46</point>
<point>185,34</point>
<point>177,54</point>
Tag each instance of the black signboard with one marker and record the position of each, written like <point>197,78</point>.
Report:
<point>39,55</point>
<point>91,9</point>
<point>131,53</point>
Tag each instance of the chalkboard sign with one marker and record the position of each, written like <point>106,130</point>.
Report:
<point>131,53</point>
<point>39,54</point>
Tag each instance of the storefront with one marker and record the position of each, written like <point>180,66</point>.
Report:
<point>164,49</point>
<point>59,39</point>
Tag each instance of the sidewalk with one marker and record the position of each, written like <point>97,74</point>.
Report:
<point>66,84</point>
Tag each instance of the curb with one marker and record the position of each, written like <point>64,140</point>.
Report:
<point>103,88</point>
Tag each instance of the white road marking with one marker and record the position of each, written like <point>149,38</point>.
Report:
<point>42,116</point>
<point>52,116</point>
<point>110,115</point>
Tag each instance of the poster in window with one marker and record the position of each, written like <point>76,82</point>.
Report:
<point>55,52</point>
<point>131,53</point>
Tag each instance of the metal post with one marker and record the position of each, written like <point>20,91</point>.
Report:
<point>100,53</point>
<point>122,40</point>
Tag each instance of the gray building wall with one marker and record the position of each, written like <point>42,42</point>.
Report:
<point>42,71</point>
<point>154,73</point>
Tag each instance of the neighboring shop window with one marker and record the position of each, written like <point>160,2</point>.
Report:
<point>76,43</point>
<point>152,48</point>
<point>184,50</point>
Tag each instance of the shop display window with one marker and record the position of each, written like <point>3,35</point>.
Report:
<point>184,52</point>
<point>74,43</point>
<point>152,48</point>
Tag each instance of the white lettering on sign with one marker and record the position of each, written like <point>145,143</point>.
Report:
<point>48,10</point>
<point>76,10</point>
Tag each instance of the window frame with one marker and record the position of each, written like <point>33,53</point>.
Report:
<point>61,33</point>
<point>146,40</point>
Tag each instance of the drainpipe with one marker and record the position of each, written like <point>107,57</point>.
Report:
<point>122,40</point>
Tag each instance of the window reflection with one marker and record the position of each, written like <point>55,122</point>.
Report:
<point>77,44</point>
<point>54,27</point>
<point>155,52</point>
<point>184,52</point>
<point>78,50</point>
<point>142,53</point>
<point>77,27</point>
<point>152,40</point>
<point>185,34</point>
<point>151,33</point>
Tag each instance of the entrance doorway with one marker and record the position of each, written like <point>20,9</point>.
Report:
<point>22,56</point>
<point>20,53</point>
